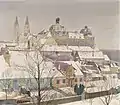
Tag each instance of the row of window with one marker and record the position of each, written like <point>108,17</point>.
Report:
<point>64,81</point>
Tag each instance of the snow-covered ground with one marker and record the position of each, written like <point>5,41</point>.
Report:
<point>55,93</point>
<point>96,101</point>
<point>9,95</point>
<point>46,94</point>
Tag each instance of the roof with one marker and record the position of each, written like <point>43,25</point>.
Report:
<point>81,48</point>
<point>91,69</point>
<point>22,66</point>
<point>105,68</point>
<point>49,70</point>
<point>91,54</point>
<point>106,58</point>
<point>60,57</point>
<point>61,66</point>
<point>9,44</point>
<point>69,48</point>
<point>56,48</point>
<point>76,66</point>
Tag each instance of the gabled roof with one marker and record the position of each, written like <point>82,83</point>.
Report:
<point>75,65</point>
<point>60,57</point>
<point>61,66</point>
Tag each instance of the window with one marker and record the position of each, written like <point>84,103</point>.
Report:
<point>76,80</point>
<point>58,81</point>
<point>63,80</point>
<point>80,79</point>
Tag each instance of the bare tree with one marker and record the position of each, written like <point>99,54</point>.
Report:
<point>6,81</point>
<point>89,84</point>
<point>108,85</point>
<point>37,67</point>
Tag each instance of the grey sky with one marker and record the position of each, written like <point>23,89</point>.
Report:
<point>102,16</point>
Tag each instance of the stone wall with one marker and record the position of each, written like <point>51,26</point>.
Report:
<point>73,98</point>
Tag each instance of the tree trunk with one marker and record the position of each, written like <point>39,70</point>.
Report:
<point>6,93</point>
<point>39,96</point>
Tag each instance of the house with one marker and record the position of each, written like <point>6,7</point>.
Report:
<point>71,71</point>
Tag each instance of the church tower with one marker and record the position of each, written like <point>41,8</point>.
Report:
<point>16,31</point>
<point>26,27</point>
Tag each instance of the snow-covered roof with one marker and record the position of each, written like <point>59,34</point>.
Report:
<point>49,34</point>
<point>10,72</point>
<point>94,55</point>
<point>56,48</point>
<point>102,85</point>
<point>42,41</point>
<point>106,58</point>
<point>76,66</point>
<point>83,48</point>
<point>105,68</point>
<point>59,56</point>
<point>24,65</point>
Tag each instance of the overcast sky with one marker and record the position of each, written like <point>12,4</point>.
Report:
<point>102,16</point>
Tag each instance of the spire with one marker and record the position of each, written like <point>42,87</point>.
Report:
<point>16,21</point>
<point>27,21</point>
<point>16,30</point>
<point>26,27</point>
